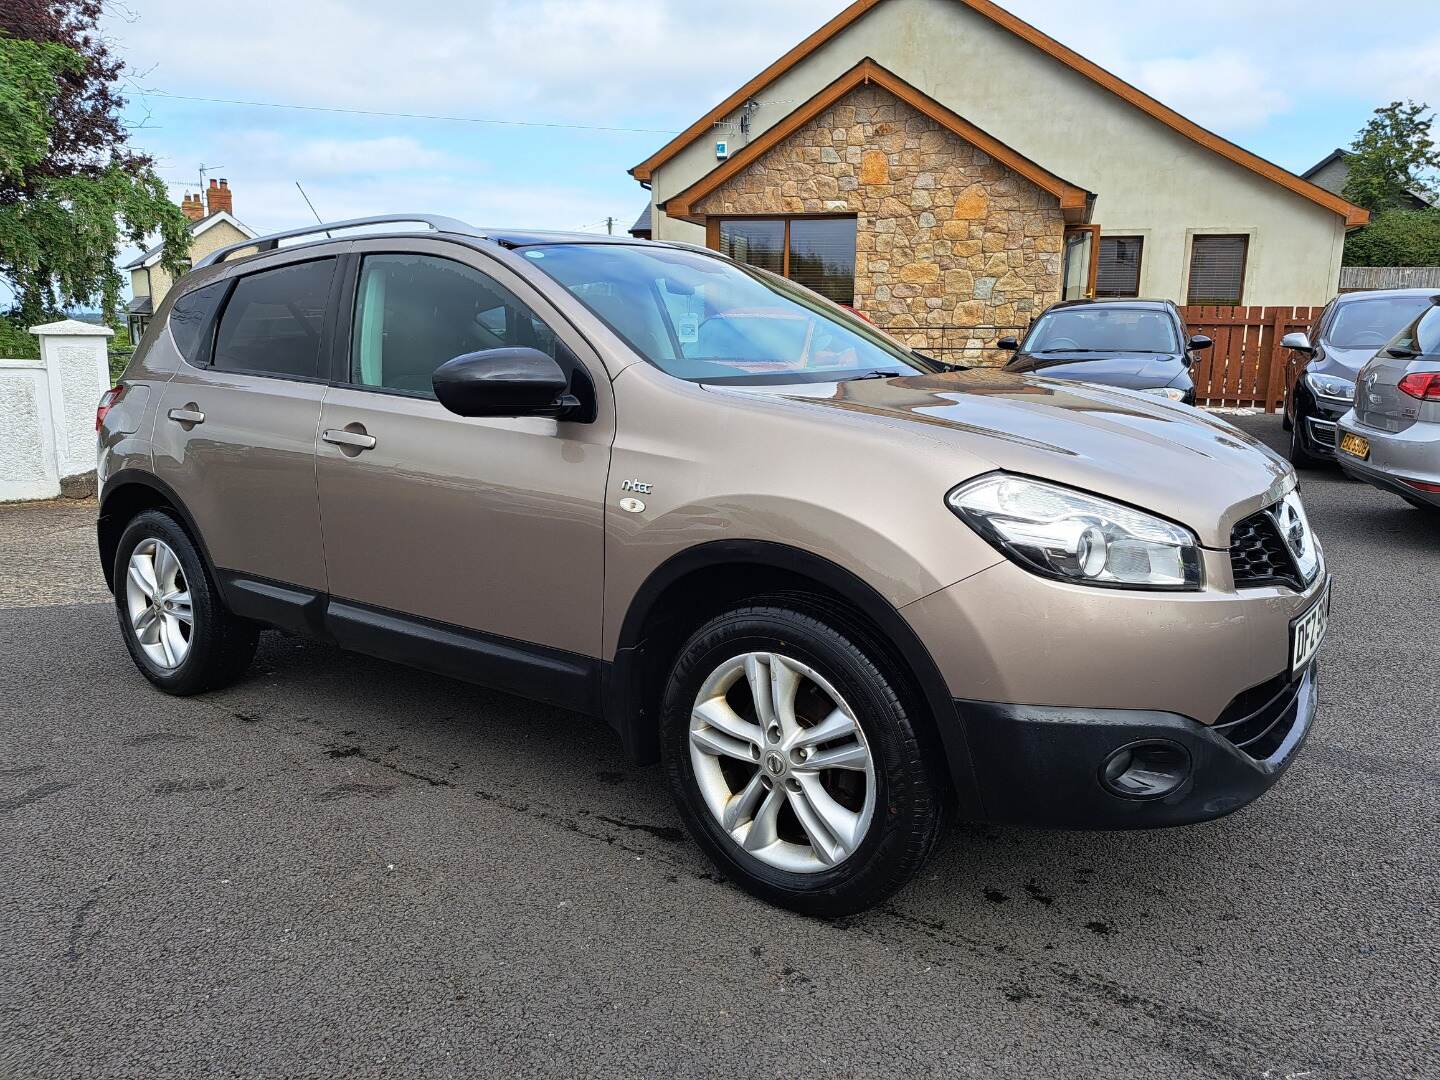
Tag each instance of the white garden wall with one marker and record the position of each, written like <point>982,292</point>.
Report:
<point>47,410</point>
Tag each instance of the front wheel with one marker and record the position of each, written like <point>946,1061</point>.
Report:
<point>793,755</point>
<point>1299,456</point>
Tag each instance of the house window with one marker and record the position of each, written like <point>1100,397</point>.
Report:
<point>1217,270</point>
<point>817,252</point>
<point>1119,271</point>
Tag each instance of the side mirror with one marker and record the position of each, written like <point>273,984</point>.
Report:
<point>1297,341</point>
<point>1009,344</point>
<point>504,382</point>
<point>1199,342</point>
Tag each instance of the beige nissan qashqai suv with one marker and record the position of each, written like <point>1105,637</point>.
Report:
<point>842,590</point>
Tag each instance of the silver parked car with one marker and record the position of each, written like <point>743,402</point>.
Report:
<point>1391,438</point>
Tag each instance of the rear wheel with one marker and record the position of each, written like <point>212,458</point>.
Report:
<point>178,632</point>
<point>795,762</point>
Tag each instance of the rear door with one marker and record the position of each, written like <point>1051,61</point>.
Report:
<point>235,432</point>
<point>491,525</point>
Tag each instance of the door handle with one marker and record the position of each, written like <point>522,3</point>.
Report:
<point>355,440</point>
<point>188,415</point>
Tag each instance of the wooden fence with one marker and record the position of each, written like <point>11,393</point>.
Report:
<point>1247,364</point>
<point>1359,278</point>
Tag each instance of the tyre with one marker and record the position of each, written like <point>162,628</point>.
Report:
<point>178,631</point>
<point>1299,456</point>
<point>792,752</point>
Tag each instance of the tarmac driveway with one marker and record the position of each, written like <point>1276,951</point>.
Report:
<point>343,868</point>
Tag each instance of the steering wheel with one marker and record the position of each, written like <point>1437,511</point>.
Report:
<point>1376,338</point>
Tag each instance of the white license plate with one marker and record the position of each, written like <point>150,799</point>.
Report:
<point>1307,631</point>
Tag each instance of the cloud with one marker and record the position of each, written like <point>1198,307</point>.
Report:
<point>1223,89</point>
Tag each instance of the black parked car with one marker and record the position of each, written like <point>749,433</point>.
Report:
<point>1137,344</point>
<point>1323,367</point>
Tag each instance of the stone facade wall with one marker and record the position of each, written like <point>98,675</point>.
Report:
<point>946,237</point>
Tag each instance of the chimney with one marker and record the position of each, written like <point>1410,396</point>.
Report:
<point>191,208</point>
<point>218,197</point>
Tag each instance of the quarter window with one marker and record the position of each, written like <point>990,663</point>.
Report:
<point>1119,270</point>
<point>817,252</point>
<point>274,321</point>
<point>189,317</point>
<point>415,312</point>
<point>1217,270</point>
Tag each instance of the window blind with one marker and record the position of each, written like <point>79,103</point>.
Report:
<point>759,242</point>
<point>1217,270</point>
<point>1119,270</point>
<point>822,256</point>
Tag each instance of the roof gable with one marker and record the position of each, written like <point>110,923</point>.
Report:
<point>151,257</point>
<point>1352,214</point>
<point>1074,200</point>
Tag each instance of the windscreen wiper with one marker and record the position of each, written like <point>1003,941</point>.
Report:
<point>874,375</point>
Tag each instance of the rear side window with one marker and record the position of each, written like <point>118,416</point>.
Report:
<point>191,314</point>
<point>272,324</point>
<point>1423,335</point>
<point>414,312</point>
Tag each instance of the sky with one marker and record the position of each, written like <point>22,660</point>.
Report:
<point>1288,79</point>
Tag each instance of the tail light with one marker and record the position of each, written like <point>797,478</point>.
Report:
<point>1424,385</point>
<point>108,401</point>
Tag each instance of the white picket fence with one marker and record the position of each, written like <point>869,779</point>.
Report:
<point>47,410</point>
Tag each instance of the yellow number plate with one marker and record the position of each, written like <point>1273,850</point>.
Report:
<point>1355,445</point>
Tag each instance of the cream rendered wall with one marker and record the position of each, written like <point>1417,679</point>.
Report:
<point>216,236</point>
<point>1148,178</point>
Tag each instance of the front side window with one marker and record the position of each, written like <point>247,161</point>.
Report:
<point>273,322</point>
<point>1102,328</point>
<point>1370,324</point>
<point>710,320</point>
<point>1118,274</point>
<point>817,252</point>
<point>415,312</point>
<point>1217,270</point>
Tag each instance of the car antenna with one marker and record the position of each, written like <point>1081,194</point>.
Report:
<point>308,203</point>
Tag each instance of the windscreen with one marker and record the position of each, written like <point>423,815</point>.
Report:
<point>1103,329</point>
<point>1370,324</point>
<point>706,319</point>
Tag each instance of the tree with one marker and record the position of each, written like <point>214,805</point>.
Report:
<point>71,189</point>
<point>1392,158</point>
<point>1396,238</point>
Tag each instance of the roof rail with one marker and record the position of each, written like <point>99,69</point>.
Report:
<point>271,241</point>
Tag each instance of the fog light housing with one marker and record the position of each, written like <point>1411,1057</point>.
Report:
<point>1150,769</point>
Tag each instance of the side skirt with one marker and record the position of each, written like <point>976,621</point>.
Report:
<point>554,676</point>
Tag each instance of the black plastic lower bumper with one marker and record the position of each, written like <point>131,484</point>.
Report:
<point>1046,766</point>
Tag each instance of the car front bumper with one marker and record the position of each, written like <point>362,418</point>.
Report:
<point>1412,454</point>
<point>1051,679</point>
<point>1036,765</point>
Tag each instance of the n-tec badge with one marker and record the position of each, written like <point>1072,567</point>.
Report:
<point>635,485</point>
<point>632,506</point>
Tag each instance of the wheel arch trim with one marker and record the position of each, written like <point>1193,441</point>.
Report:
<point>623,677</point>
<point>129,478</point>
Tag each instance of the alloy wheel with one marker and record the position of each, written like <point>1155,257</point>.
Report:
<point>158,602</point>
<point>782,763</point>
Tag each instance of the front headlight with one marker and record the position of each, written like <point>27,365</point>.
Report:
<point>1067,534</point>
<point>1169,393</point>
<point>1330,386</point>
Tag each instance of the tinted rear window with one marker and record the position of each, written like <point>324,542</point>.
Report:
<point>191,314</point>
<point>273,322</point>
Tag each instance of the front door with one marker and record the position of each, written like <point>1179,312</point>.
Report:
<point>491,525</point>
<point>1082,257</point>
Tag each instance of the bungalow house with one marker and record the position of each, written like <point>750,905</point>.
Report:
<point>1332,172</point>
<point>212,226</point>
<point>949,171</point>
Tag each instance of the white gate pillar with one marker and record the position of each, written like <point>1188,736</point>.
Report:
<point>75,357</point>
